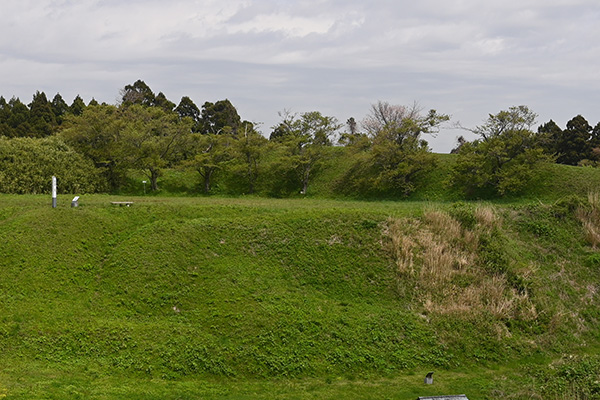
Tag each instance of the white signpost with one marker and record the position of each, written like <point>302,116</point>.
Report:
<point>53,192</point>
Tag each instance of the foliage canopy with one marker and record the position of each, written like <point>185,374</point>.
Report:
<point>504,160</point>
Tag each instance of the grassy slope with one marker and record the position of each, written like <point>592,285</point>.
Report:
<point>168,289</point>
<point>256,298</point>
<point>552,182</point>
<point>249,298</point>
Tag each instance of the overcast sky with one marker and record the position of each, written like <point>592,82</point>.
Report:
<point>466,58</point>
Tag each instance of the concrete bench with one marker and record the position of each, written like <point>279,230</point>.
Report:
<point>121,203</point>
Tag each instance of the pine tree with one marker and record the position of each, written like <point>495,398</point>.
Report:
<point>41,116</point>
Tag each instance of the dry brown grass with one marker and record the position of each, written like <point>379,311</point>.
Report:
<point>486,218</point>
<point>594,200</point>
<point>592,232</point>
<point>442,258</point>
<point>403,246</point>
<point>590,219</point>
<point>443,224</point>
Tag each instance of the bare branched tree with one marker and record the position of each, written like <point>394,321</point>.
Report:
<point>402,122</point>
<point>384,114</point>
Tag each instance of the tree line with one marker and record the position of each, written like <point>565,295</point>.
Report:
<point>94,147</point>
<point>508,152</point>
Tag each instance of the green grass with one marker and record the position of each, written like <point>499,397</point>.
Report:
<point>551,183</point>
<point>204,297</point>
<point>557,181</point>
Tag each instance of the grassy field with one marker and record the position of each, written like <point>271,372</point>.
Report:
<point>248,298</point>
<point>318,297</point>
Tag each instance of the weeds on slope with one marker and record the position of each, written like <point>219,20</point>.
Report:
<point>457,267</point>
<point>589,216</point>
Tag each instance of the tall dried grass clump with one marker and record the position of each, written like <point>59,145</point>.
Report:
<point>592,231</point>
<point>594,200</point>
<point>442,258</point>
<point>590,219</point>
<point>443,224</point>
<point>403,246</point>
<point>486,218</point>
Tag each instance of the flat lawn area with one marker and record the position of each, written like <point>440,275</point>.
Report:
<point>62,384</point>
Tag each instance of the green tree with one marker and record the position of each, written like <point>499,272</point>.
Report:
<point>96,133</point>
<point>352,136</point>
<point>549,135</point>
<point>249,151</point>
<point>137,93</point>
<point>219,117</point>
<point>387,167</point>
<point>59,108</point>
<point>188,109</point>
<point>302,140</point>
<point>574,144</point>
<point>595,142</point>
<point>460,141</point>
<point>19,118</point>
<point>151,139</point>
<point>77,106</point>
<point>41,116</point>
<point>503,161</point>
<point>212,154</point>
<point>280,132</point>
<point>135,137</point>
<point>516,118</point>
<point>5,114</point>
<point>392,157</point>
<point>164,103</point>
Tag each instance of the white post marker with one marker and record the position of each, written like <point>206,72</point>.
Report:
<point>53,192</point>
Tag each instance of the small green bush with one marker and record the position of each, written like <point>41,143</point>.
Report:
<point>464,213</point>
<point>593,260</point>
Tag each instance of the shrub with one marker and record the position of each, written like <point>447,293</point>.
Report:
<point>498,166</point>
<point>27,165</point>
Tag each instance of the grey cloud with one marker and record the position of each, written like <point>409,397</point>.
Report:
<point>467,58</point>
